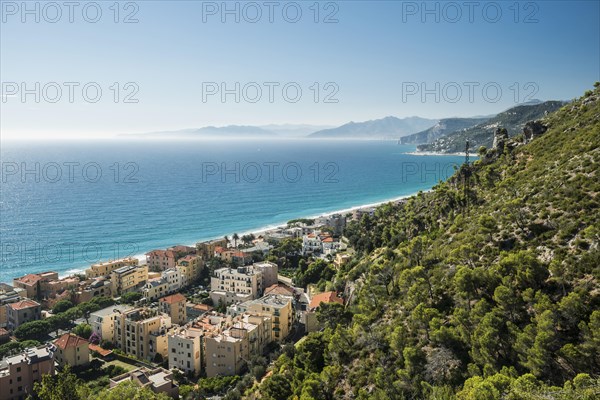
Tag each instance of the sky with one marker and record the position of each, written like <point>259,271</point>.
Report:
<point>94,69</point>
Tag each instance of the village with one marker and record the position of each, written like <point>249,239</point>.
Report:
<point>183,314</point>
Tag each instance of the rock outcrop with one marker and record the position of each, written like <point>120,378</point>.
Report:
<point>533,129</point>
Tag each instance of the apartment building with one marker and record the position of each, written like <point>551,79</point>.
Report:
<point>8,294</point>
<point>190,267</point>
<point>103,322</point>
<point>159,260</point>
<point>142,333</point>
<point>235,284</point>
<point>72,350</point>
<point>185,350</point>
<point>269,272</point>
<point>32,283</point>
<point>128,279</point>
<point>155,288</point>
<point>174,306</point>
<point>18,373</point>
<point>107,267</point>
<point>278,307</point>
<point>174,279</point>
<point>22,311</point>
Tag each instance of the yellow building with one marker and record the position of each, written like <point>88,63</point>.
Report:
<point>278,307</point>
<point>103,321</point>
<point>105,268</point>
<point>190,267</point>
<point>129,278</point>
<point>72,350</point>
<point>142,333</point>
<point>174,306</point>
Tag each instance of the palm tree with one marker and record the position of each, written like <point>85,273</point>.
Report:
<point>226,238</point>
<point>235,239</point>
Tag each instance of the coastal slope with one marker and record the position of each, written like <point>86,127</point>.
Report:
<point>442,128</point>
<point>487,287</point>
<point>384,128</point>
<point>513,120</point>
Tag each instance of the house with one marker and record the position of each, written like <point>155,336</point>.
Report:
<point>159,380</point>
<point>4,336</point>
<point>310,316</point>
<point>185,350</point>
<point>105,268</point>
<point>72,350</point>
<point>103,321</point>
<point>18,373</point>
<point>32,283</point>
<point>8,294</point>
<point>22,311</point>
<point>174,306</point>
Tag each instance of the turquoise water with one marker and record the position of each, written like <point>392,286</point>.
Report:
<point>65,205</point>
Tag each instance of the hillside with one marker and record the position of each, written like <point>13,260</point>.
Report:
<point>384,128</point>
<point>512,119</point>
<point>482,291</point>
<point>442,128</point>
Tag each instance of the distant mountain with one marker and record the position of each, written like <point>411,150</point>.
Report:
<point>230,131</point>
<point>385,128</point>
<point>513,120</point>
<point>442,128</point>
<point>293,130</point>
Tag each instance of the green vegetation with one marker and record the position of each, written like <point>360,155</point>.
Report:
<point>483,133</point>
<point>64,320</point>
<point>481,291</point>
<point>83,330</point>
<point>131,297</point>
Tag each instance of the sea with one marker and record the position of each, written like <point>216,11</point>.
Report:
<point>67,204</point>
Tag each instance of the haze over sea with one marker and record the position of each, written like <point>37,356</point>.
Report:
<point>58,217</point>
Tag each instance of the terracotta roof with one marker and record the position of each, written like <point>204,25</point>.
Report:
<point>99,350</point>
<point>279,288</point>
<point>202,307</point>
<point>327,297</point>
<point>3,332</point>
<point>162,253</point>
<point>174,298</point>
<point>29,279</point>
<point>219,249</point>
<point>69,340</point>
<point>20,305</point>
<point>188,258</point>
<point>328,239</point>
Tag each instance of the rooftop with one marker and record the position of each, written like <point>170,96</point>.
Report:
<point>69,340</point>
<point>327,297</point>
<point>23,304</point>
<point>29,279</point>
<point>174,298</point>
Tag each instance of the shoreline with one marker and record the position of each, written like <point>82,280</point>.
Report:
<point>257,231</point>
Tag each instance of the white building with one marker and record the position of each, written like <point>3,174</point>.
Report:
<point>185,350</point>
<point>103,321</point>
<point>174,279</point>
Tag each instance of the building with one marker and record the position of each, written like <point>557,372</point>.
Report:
<point>142,333</point>
<point>8,294</point>
<point>310,316</point>
<point>159,260</point>
<point>268,271</point>
<point>128,279</point>
<point>22,311</point>
<point>106,268</point>
<point>4,336</point>
<point>185,350</point>
<point>278,307</point>
<point>154,289</point>
<point>207,249</point>
<point>174,306</point>
<point>190,267</point>
<point>230,285</point>
<point>103,321</point>
<point>228,351</point>
<point>174,279</point>
<point>341,259</point>
<point>72,350</point>
<point>97,287</point>
<point>159,380</point>
<point>18,373</point>
<point>194,311</point>
<point>32,283</point>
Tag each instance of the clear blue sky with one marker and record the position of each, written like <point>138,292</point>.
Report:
<point>374,50</point>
